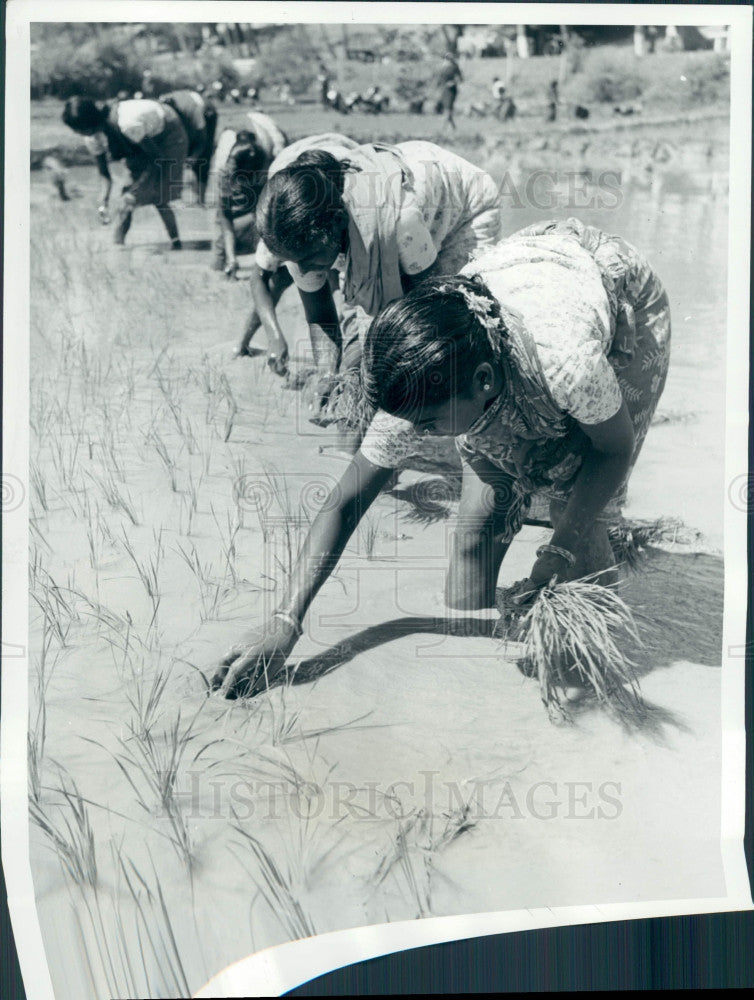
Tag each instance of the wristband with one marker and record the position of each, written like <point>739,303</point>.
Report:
<point>556,550</point>
<point>295,625</point>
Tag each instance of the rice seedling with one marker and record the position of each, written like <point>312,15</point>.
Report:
<point>65,461</point>
<point>70,836</point>
<point>152,765</point>
<point>145,698</point>
<point>227,535</point>
<point>117,497</point>
<point>126,935</point>
<point>238,467</point>
<point>113,457</point>
<point>414,850</point>
<point>37,730</point>
<point>186,516</point>
<point>211,593</point>
<point>570,637</point>
<point>165,457</point>
<point>58,613</point>
<point>232,407</point>
<point>632,541</point>
<point>148,570</point>
<point>369,532</point>
<point>155,934</point>
<point>39,485</point>
<point>276,883</point>
<point>93,536</point>
<point>283,532</point>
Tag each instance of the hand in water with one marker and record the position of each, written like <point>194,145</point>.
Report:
<point>277,358</point>
<point>255,662</point>
<point>317,395</point>
<point>231,270</point>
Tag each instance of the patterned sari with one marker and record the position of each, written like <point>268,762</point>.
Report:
<point>527,433</point>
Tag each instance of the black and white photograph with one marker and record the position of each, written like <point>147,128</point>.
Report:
<point>375,481</point>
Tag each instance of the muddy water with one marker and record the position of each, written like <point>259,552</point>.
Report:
<point>677,215</point>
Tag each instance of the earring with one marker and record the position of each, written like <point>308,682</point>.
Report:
<point>486,386</point>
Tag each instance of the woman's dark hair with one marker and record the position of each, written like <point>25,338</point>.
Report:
<point>247,153</point>
<point>423,349</point>
<point>83,115</point>
<point>302,203</point>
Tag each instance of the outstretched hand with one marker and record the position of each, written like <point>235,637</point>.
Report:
<point>252,665</point>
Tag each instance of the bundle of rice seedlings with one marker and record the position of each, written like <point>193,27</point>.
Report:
<point>570,636</point>
<point>631,541</point>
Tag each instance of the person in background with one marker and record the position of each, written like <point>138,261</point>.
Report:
<point>199,118</point>
<point>448,79</point>
<point>383,216</point>
<point>324,81</point>
<point>545,359</point>
<point>552,101</point>
<point>498,92</point>
<point>239,170</point>
<point>147,83</point>
<point>269,278</point>
<point>285,95</point>
<point>150,137</point>
<point>58,176</point>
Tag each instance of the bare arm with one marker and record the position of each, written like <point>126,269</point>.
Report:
<point>104,172</point>
<point>225,221</point>
<point>266,652</point>
<point>477,549</point>
<point>266,289</point>
<point>602,471</point>
<point>324,328</point>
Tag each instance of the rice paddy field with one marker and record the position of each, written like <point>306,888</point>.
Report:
<point>405,768</point>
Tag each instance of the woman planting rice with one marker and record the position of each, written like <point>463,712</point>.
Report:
<point>384,216</point>
<point>241,162</point>
<point>545,358</point>
<point>199,118</point>
<point>150,137</point>
<point>269,278</point>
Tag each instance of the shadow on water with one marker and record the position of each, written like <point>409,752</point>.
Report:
<point>370,638</point>
<point>677,600</point>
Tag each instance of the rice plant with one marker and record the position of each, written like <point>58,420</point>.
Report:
<point>126,935</point>
<point>412,855</point>
<point>58,611</point>
<point>39,485</point>
<point>369,531</point>
<point>571,636</point>
<point>65,461</point>
<point>36,737</point>
<point>116,496</point>
<point>145,699</point>
<point>211,593</point>
<point>165,457</point>
<point>152,765</point>
<point>148,570</point>
<point>227,536</point>
<point>238,466</point>
<point>231,405</point>
<point>275,884</point>
<point>70,836</point>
